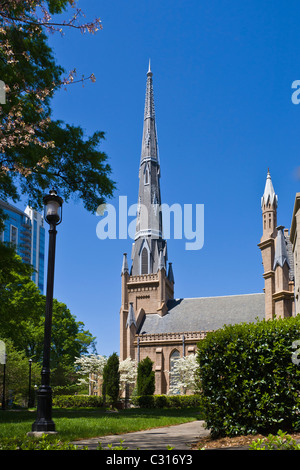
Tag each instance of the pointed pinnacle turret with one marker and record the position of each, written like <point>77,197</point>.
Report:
<point>131,316</point>
<point>161,264</point>
<point>125,264</point>
<point>281,255</point>
<point>170,274</point>
<point>269,193</point>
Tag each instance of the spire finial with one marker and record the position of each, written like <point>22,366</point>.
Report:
<point>149,68</point>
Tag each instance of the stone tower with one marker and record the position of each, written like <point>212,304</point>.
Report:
<point>146,287</point>
<point>275,248</point>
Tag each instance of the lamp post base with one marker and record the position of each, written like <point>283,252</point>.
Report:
<point>44,423</point>
<point>40,433</point>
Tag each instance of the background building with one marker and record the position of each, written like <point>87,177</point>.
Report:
<point>26,231</point>
<point>277,257</point>
<point>295,241</point>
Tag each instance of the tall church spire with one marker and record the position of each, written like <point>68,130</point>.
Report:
<point>149,142</point>
<point>148,237</point>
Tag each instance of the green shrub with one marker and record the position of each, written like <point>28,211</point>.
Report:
<point>167,401</point>
<point>144,401</point>
<point>280,442</point>
<point>42,443</point>
<point>77,401</point>
<point>160,401</point>
<point>111,378</point>
<point>249,381</point>
<point>48,443</point>
<point>145,377</point>
<point>66,390</point>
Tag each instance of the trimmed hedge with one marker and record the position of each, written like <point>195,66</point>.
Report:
<point>249,382</point>
<point>166,401</point>
<point>77,401</point>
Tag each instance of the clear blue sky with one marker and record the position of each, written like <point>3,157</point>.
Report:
<point>222,74</point>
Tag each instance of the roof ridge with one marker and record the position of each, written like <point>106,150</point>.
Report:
<point>218,296</point>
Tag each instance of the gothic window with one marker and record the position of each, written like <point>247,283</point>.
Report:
<point>144,263</point>
<point>146,174</point>
<point>174,377</point>
<point>265,221</point>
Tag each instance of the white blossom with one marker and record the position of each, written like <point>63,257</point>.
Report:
<point>128,372</point>
<point>91,367</point>
<point>185,370</point>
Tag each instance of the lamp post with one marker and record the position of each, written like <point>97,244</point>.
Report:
<point>53,216</point>
<point>3,385</point>
<point>29,384</point>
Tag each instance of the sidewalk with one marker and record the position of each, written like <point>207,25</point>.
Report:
<point>180,437</point>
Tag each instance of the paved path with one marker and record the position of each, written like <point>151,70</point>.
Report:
<point>180,436</point>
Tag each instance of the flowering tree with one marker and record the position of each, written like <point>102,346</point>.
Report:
<point>185,370</point>
<point>91,369</point>
<point>37,152</point>
<point>128,372</point>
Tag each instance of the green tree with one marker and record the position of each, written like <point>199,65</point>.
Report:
<point>145,377</point>
<point>36,152</point>
<point>22,310</point>
<point>21,300</point>
<point>111,378</point>
<point>17,374</point>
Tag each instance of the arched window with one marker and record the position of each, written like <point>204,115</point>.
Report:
<point>174,376</point>
<point>144,261</point>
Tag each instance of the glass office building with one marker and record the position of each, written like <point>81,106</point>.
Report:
<point>26,231</point>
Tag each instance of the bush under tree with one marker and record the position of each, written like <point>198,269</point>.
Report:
<point>250,378</point>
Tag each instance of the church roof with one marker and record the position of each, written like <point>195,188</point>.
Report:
<point>205,314</point>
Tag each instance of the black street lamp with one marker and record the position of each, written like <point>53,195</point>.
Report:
<point>29,384</point>
<point>53,216</point>
<point>3,385</point>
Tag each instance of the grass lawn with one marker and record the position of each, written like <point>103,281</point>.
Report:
<point>73,424</point>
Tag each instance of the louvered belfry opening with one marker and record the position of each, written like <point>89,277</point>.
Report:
<point>144,269</point>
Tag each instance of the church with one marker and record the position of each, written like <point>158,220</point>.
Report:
<point>153,322</point>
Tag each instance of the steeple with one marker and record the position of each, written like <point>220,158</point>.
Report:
<point>269,195</point>
<point>148,237</point>
<point>149,141</point>
<point>146,288</point>
<point>269,203</point>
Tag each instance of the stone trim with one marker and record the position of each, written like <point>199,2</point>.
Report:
<point>169,337</point>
